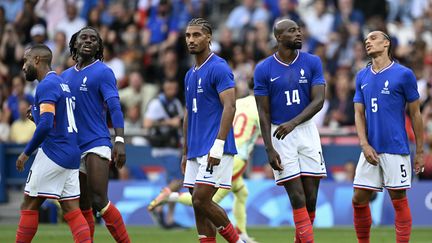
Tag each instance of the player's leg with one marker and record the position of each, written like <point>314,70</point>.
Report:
<point>397,178</point>
<point>69,201</point>
<point>97,179</point>
<point>205,207</point>
<point>85,198</point>
<point>29,218</point>
<point>310,186</point>
<point>368,178</point>
<point>296,194</point>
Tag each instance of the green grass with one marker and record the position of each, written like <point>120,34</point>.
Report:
<point>60,233</point>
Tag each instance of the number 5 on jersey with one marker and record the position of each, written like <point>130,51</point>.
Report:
<point>70,116</point>
<point>374,104</point>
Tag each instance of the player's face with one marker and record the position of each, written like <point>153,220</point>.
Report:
<point>376,43</point>
<point>197,40</point>
<point>291,37</point>
<point>28,68</point>
<point>87,43</point>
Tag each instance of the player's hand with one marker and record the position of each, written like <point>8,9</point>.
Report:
<point>283,130</point>
<point>22,159</point>
<point>274,159</point>
<point>29,113</point>
<point>418,163</point>
<point>183,163</point>
<point>119,154</point>
<point>370,154</point>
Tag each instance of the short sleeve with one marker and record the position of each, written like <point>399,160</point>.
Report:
<point>48,92</point>
<point>318,76</point>
<point>409,84</point>
<point>223,78</point>
<point>260,81</point>
<point>358,95</point>
<point>107,85</point>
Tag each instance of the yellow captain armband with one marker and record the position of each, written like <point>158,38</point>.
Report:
<point>47,107</point>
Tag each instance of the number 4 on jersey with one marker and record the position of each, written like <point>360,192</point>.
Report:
<point>70,116</point>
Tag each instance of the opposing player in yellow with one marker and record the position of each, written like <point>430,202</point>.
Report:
<point>246,132</point>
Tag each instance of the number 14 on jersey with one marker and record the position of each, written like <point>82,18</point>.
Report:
<point>292,97</point>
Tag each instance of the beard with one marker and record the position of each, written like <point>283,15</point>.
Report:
<point>293,45</point>
<point>31,73</point>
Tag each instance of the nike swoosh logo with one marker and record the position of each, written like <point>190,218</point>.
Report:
<point>364,85</point>
<point>403,181</point>
<point>300,232</point>
<point>273,79</point>
<point>206,177</point>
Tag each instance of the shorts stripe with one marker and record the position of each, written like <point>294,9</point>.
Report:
<point>69,198</point>
<point>188,185</point>
<point>319,174</point>
<point>398,187</point>
<point>42,194</point>
<point>281,180</point>
<point>368,187</point>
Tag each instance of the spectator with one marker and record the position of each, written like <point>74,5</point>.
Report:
<point>11,53</point>
<point>319,22</point>
<point>73,23</point>
<point>346,14</point>
<point>60,52</point>
<point>22,129</point>
<point>26,19</point>
<point>53,11</point>
<point>12,7</point>
<point>138,92</point>
<point>18,94</point>
<point>115,63</point>
<point>163,120</point>
<point>4,128</point>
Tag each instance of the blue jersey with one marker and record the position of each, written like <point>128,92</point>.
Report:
<point>92,86</point>
<point>288,86</point>
<point>61,143</point>
<point>203,85</point>
<point>384,95</point>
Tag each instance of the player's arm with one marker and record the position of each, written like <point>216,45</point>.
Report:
<point>360,123</point>
<point>46,123</point>
<point>119,151</point>
<point>227,98</point>
<point>417,125</point>
<point>316,104</point>
<point>263,105</point>
<point>185,147</point>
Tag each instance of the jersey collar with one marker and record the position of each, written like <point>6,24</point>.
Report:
<point>76,68</point>
<point>208,58</point>
<point>286,64</point>
<point>382,70</point>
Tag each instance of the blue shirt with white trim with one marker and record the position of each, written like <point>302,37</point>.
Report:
<point>288,86</point>
<point>92,86</point>
<point>203,85</point>
<point>61,143</point>
<point>385,95</point>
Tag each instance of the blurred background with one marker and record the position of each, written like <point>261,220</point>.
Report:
<point>144,45</point>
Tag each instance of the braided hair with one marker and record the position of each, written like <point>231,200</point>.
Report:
<point>205,25</point>
<point>74,51</point>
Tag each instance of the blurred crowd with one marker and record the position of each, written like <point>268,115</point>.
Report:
<point>144,45</point>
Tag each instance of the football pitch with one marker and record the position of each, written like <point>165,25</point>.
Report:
<point>60,233</point>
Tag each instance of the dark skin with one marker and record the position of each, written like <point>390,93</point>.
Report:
<point>302,191</point>
<point>377,45</point>
<point>36,66</point>
<point>208,214</point>
<point>94,184</point>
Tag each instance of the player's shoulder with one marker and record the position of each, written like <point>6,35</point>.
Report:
<point>401,69</point>
<point>308,57</point>
<point>266,61</point>
<point>217,63</point>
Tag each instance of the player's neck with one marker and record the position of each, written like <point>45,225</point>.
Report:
<point>42,73</point>
<point>380,62</point>
<point>82,63</point>
<point>286,55</point>
<point>200,58</point>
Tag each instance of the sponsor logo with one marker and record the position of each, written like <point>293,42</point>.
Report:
<point>364,85</point>
<point>274,79</point>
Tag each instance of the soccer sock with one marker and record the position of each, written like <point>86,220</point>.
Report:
<point>303,225</point>
<point>239,208</point>
<point>88,215</point>
<point>205,239</point>
<point>362,222</point>
<point>312,218</point>
<point>228,232</point>
<point>27,226</point>
<point>185,199</point>
<point>114,223</point>
<point>403,220</point>
<point>78,226</point>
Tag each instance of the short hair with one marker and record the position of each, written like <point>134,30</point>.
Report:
<point>205,25</point>
<point>74,51</point>
<point>43,52</point>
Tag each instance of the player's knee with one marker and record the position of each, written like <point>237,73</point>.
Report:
<point>199,203</point>
<point>242,194</point>
<point>99,202</point>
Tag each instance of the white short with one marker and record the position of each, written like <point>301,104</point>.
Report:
<point>103,152</point>
<point>300,152</point>
<point>196,172</point>
<point>50,180</point>
<point>393,172</point>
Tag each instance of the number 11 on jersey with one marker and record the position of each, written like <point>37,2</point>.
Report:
<point>70,116</point>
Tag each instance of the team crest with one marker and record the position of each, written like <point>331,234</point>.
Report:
<point>200,89</point>
<point>83,84</point>
<point>385,90</point>
<point>303,79</point>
